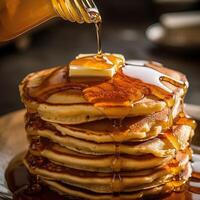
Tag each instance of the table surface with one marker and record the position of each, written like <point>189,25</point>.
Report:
<point>13,141</point>
<point>62,41</point>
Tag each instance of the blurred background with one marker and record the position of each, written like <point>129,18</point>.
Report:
<point>167,31</point>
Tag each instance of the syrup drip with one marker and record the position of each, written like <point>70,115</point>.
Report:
<point>95,17</point>
<point>174,82</point>
<point>172,140</point>
<point>116,183</point>
<point>182,119</point>
<point>186,120</point>
<point>177,186</point>
<point>179,168</point>
<point>148,73</point>
<point>98,33</point>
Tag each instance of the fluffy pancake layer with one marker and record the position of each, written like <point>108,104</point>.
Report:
<point>107,182</point>
<point>109,130</point>
<point>168,187</point>
<point>160,146</point>
<point>100,163</point>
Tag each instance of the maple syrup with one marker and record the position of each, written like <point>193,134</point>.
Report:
<point>186,120</point>
<point>116,183</point>
<point>131,84</point>
<point>98,33</point>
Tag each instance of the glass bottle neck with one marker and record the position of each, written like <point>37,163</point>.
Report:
<point>77,10</point>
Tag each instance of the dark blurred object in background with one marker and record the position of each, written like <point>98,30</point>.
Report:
<point>164,6</point>
<point>143,10</point>
<point>126,10</point>
<point>177,30</point>
<point>124,26</point>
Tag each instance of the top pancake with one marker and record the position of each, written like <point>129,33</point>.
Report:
<point>60,99</point>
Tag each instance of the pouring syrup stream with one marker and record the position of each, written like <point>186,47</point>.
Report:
<point>98,35</point>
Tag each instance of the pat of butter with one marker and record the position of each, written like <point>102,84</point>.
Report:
<point>92,65</point>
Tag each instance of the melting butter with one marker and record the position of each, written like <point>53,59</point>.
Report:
<point>93,65</point>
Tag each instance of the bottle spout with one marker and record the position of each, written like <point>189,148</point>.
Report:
<point>79,11</point>
<point>92,10</point>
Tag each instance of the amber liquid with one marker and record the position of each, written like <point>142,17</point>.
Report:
<point>18,16</point>
<point>98,27</point>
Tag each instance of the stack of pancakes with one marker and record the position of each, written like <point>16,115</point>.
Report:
<point>97,151</point>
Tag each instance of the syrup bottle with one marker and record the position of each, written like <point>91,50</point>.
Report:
<point>19,16</point>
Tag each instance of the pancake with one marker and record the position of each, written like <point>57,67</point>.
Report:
<point>94,137</point>
<point>76,114</point>
<point>43,92</point>
<point>72,159</point>
<point>160,147</point>
<point>104,182</point>
<point>108,130</point>
<point>65,189</point>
